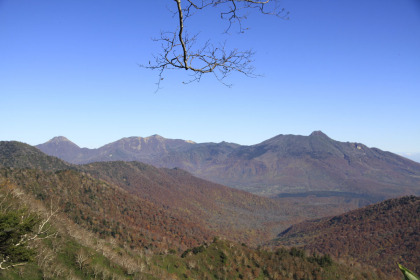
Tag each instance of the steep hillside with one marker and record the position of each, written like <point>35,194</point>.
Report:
<point>379,235</point>
<point>160,226</point>
<point>227,211</point>
<point>20,155</point>
<point>71,252</point>
<point>108,210</point>
<point>285,165</point>
<point>97,205</point>
<point>164,203</point>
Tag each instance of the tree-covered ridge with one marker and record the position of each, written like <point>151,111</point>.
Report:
<point>379,235</point>
<point>19,155</point>
<point>107,209</point>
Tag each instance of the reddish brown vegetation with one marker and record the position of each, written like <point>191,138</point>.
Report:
<point>379,235</point>
<point>109,210</point>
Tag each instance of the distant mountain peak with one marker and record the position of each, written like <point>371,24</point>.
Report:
<point>161,138</point>
<point>58,139</point>
<point>155,136</point>
<point>318,133</point>
<point>58,142</point>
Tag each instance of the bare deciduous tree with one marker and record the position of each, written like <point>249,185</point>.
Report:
<point>82,259</point>
<point>180,50</point>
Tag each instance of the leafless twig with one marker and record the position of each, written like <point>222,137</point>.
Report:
<point>179,50</point>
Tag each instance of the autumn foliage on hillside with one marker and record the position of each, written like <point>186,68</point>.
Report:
<point>107,209</point>
<point>133,221</point>
<point>76,253</point>
<point>380,235</point>
<point>229,212</point>
<point>117,198</point>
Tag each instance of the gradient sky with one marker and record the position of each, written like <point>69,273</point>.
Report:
<point>348,68</point>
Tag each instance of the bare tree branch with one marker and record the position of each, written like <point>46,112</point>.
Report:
<point>179,50</point>
<point>27,228</point>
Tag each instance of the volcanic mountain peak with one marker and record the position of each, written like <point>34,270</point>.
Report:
<point>59,143</point>
<point>294,145</point>
<point>291,139</point>
<point>318,133</point>
<point>59,140</point>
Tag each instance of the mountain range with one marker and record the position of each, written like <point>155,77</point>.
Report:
<point>283,166</point>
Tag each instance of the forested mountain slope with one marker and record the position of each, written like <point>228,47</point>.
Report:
<point>71,252</point>
<point>20,155</point>
<point>380,235</point>
<point>120,198</point>
<point>123,220</point>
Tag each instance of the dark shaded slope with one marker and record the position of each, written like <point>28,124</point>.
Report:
<point>20,155</point>
<point>379,235</point>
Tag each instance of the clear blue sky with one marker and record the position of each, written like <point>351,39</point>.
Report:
<point>348,68</point>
